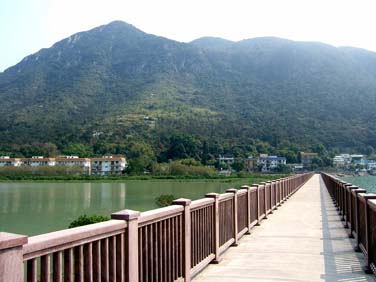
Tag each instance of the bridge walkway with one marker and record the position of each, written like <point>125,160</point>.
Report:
<point>303,241</point>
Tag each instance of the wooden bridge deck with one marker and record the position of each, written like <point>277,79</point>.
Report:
<point>304,240</point>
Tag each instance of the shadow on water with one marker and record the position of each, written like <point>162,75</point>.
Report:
<point>342,264</point>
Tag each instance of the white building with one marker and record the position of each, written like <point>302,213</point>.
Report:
<point>226,160</point>
<point>339,162</point>
<point>371,165</point>
<point>342,161</point>
<point>101,166</point>
<point>38,161</point>
<point>7,161</point>
<point>270,162</point>
<point>358,159</point>
<point>107,165</point>
<point>75,161</point>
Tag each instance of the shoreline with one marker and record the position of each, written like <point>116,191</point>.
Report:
<point>256,179</point>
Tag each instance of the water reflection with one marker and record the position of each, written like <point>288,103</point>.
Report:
<point>34,208</point>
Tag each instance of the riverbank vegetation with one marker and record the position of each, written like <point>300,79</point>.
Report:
<point>175,172</point>
<point>185,169</point>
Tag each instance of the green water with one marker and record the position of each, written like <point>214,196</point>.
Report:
<point>35,208</point>
<point>365,182</point>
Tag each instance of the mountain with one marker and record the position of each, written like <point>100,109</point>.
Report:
<point>115,83</point>
<point>212,43</point>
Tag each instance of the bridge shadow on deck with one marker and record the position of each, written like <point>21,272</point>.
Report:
<point>342,263</point>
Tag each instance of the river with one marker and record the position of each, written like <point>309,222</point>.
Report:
<point>366,182</point>
<point>36,208</point>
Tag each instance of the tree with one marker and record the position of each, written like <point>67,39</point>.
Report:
<point>183,146</point>
<point>238,164</point>
<point>78,149</point>
<point>141,158</point>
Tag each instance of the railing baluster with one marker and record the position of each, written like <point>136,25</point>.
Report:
<point>57,267</point>
<point>68,266</point>
<point>86,262</point>
<point>32,270</point>
<point>45,268</point>
<point>79,263</point>
<point>97,270</point>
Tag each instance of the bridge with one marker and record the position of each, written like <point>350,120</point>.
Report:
<point>308,227</point>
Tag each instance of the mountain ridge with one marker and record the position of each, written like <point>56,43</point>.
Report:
<point>287,95</point>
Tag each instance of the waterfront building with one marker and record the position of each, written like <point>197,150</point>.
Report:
<point>38,161</point>
<point>107,165</point>
<point>72,161</point>
<point>371,165</point>
<point>339,162</point>
<point>342,161</point>
<point>358,159</point>
<point>8,161</point>
<point>270,163</point>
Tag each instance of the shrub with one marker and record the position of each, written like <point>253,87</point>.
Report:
<point>85,220</point>
<point>164,200</point>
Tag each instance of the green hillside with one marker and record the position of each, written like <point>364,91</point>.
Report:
<point>116,89</point>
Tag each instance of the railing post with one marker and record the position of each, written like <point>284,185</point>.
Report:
<point>265,200</point>
<point>345,212</point>
<point>270,195</point>
<point>215,196</point>
<point>130,243</point>
<point>235,192</point>
<point>283,183</point>
<point>11,257</point>
<point>349,210</point>
<point>186,237</point>
<point>246,187</point>
<point>355,228</point>
<point>258,203</point>
<point>279,192</point>
<point>275,191</point>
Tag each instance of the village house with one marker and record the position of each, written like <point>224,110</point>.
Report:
<point>226,160</point>
<point>38,161</point>
<point>269,163</point>
<point>107,165</point>
<point>7,161</point>
<point>72,161</point>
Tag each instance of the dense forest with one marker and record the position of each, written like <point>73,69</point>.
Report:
<point>118,90</point>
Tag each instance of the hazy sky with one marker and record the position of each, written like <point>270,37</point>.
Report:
<point>26,26</point>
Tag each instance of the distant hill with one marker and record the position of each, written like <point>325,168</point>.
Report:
<point>116,83</point>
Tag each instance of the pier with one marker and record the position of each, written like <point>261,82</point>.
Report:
<point>305,227</point>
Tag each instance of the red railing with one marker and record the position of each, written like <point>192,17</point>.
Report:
<point>358,212</point>
<point>163,245</point>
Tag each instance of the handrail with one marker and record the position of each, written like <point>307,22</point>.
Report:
<point>357,209</point>
<point>40,245</point>
<point>201,203</point>
<point>159,214</point>
<point>168,244</point>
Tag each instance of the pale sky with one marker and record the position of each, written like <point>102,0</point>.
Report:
<point>26,26</point>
